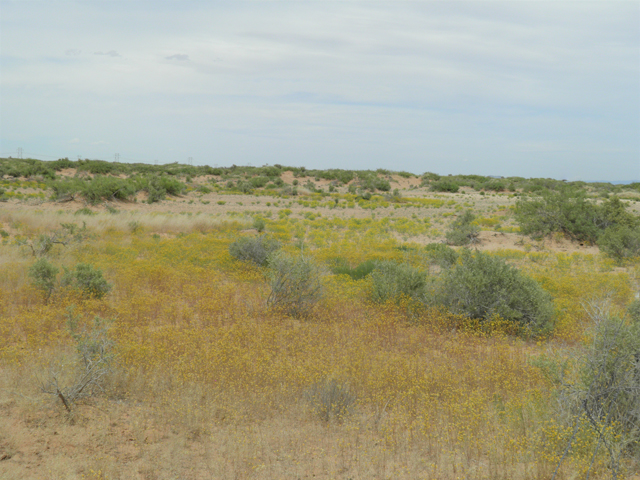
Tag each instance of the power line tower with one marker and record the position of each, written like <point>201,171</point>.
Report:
<point>20,152</point>
<point>117,157</point>
<point>190,161</point>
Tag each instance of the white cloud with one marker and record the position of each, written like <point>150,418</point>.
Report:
<point>181,57</point>
<point>110,53</point>
<point>422,81</point>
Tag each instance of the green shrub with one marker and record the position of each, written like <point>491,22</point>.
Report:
<point>86,279</point>
<point>84,211</point>
<point>43,276</point>
<point>341,267</point>
<point>620,242</point>
<point>259,224</point>
<point>444,185</point>
<point>158,187</point>
<point>97,166</point>
<point>441,255</point>
<point>604,391</point>
<point>254,249</point>
<point>569,211</point>
<point>634,311</point>
<point>392,281</point>
<point>482,286</point>
<point>65,189</point>
<point>296,283</point>
<point>462,231</point>
<point>108,188</point>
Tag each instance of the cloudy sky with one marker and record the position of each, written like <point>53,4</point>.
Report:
<point>534,89</point>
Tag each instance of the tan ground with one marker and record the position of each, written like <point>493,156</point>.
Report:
<point>194,203</point>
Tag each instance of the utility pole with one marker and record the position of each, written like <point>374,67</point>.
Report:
<point>20,152</point>
<point>117,157</point>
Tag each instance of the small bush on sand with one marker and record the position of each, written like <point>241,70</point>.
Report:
<point>43,276</point>
<point>620,242</point>
<point>86,279</point>
<point>331,401</point>
<point>462,230</point>
<point>254,249</point>
<point>392,281</point>
<point>86,373</point>
<point>482,286</point>
<point>296,283</point>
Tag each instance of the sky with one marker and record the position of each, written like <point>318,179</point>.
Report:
<point>512,88</point>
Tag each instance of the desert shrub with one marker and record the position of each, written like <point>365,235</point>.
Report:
<point>620,242</point>
<point>604,390</point>
<point>108,188</point>
<point>633,310</point>
<point>259,224</point>
<point>331,400</point>
<point>482,286</point>
<point>65,189</point>
<point>254,249</point>
<point>158,187</point>
<point>84,211</point>
<point>444,185</point>
<point>569,211</point>
<point>295,282</point>
<point>67,234</point>
<point>341,267</point>
<point>370,181</point>
<point>441,255</point>
<point>392,281</point>
<point>86,279</point>
<point>87,371</point>
<point>462,231</point>
<point>43,276</point>
<point>97,166</point>
<point>259,182</point>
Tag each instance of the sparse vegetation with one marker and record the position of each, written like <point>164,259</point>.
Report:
<point>463,231</point>
<point>413,360</point>
<point>295,283</point>
<point>254,249</point>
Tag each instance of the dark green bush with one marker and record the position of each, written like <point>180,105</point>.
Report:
<point>445,185</point>
<point>341,267</point>
<point>392,281</point>
<point>259,182</point>
<point>482,286</point>
<point>620,242</point>
<point>86,279</point>
<point>254,249</point>
<point>108,188</point>
<point>462,231</point>
<point>98,167</point>
<point>441,255</point>
<point>259,224</point>
<point>569,211</point>
<point>43,276</point>
<point>66,188</point>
